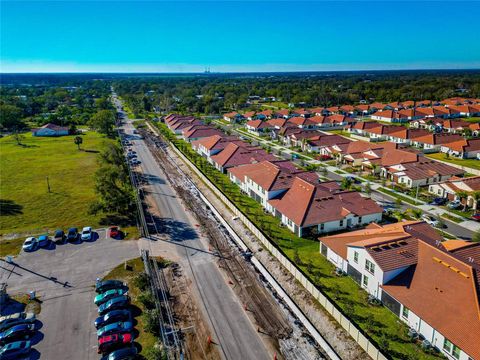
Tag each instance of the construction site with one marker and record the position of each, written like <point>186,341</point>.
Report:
<point>185,331</point>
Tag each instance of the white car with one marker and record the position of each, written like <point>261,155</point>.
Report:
<point>87,233</point>
<point>431,220</point>
<point>30,244</point>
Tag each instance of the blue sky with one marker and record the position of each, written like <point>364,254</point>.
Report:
<point>183,36</point>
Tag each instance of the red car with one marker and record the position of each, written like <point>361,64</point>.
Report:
<point>113,231</point>
<point>476,217</point>
<point>113,342</point>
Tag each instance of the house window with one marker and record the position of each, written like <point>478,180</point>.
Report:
<point>370,267</point>
<point>322,226</point>
<point>359,219</point>
<point>355,257</point>
<point>456,352</point>
<point>365,281</point>
<point>405,312</point>
<point>341,222</point>
<point>447,346</point>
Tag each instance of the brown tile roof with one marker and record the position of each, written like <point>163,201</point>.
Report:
<point>464,145</point>
<point>277,122</point>
<point>216,142</point>
<point>306,204</point>
<point>426,168</point>
<point>442,291</point>
<point>249,114</point>
<point>404,133</point>
<point>259,124</point>
<point>283,112</point>
<point>195,131</point>
<point>377,105</point>
<point>232,114</point>
<point>437,139</point>
<point>180,125</point>
<point>383,129</point>
<point>328,140</point>
<point>234,155</point>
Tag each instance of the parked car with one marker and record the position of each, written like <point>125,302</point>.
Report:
<point>102,286</point>
<point>72,234</point>
<point>455,204</point>
<point>59,237</point>
<point>438,201</point>
<point>30,244</point>
<point>119,302</point>
<point>111,317</point>
<point>115,328</point>
<point>87,233</point>
<point>112,342</point>
<point>430,220</point>
<point>15,350</point>
<point>476,217</point>
<point>8,321</point>
<point>107,295</point>
<point>114,231</point>
<point>43,240</point>
<point>17,332</point>
<point>123,354</point>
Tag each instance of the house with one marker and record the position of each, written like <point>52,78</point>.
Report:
<point>50,130</point>
<point>178,125</point>
<point>250,115</point>
<point>420,173</point>
<point>464,148</point>
<point>302,122</point>
<point>380,132</point>
<point>265,114</point>
<point>293,136</point>
<point>258,127</point>
<point>459,126</point>
<point>449,189</point>
<point>352,153</point>
<point>308,209</point>
<point>235,155</point>
<point>419,278</point>
<point>433,142</point>
<point>282,113</point>
<point>376,159</point>
<point>362,110</point>
<point>347,110</point>
<point>403,135</point>
<point>389,115</point>
<point>172,119</point>
<point>277,123</point>
<point>362,128</point>
<point>466,110</point>
<point>196,132</point>
<point>212,145</point>
<point>233,117</point>
<point>266,180</point>
<point>318,142</point>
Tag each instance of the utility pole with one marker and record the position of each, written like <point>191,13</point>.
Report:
<point>48,185</point>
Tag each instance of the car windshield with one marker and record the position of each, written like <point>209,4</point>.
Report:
<point>28,241</point>
<point>86,231</point>
<point>71,231</point>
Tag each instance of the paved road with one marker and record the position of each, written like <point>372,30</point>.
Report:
<point>63,278</point>
<point>233,330</point>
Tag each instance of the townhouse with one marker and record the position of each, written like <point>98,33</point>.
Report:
<point>420,173</point>
<point>419,278</point>
<point>258,127</point>
<point>212,145</point>
<point>403,135</point>
<point>433,141</point>
<point>317,143</point>
<point>464,148</point>
<point>449,189</point>
<point>308,209</point>
<point>235,155</point>
<point>196,132</point>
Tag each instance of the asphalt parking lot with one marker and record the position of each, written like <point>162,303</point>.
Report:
<point>63,277</point>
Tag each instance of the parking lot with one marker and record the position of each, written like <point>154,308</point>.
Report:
<point>63,277</point>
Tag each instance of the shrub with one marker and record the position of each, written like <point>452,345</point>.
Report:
<point>141,281</point>
<point>147,299</point>
<point>152,322</point>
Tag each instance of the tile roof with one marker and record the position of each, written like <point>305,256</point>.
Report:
<point>442,290</point>
<point>234,155</point>
<point>328,140</point>
<point>200,131</point>
<point>464,145</point>
<point>277,122</point>
<point>52,127</point>
<point>437,139</point>
<point>259,124</point>
<point>425,168</point>
<point>306,204</point>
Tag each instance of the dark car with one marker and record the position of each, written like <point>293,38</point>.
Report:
<point>102,286</point>
<point>113,342</point>
<point>476,217</point>
<point>123,354</point>
<point>59,237</point>
<point>15,350</point>
<point>438,201</point>
<point>113,316</point>
<point>72,234</point>
<point>120,302</point>
<point>17,332</point>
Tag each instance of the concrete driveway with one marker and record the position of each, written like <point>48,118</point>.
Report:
<point>63,278</point>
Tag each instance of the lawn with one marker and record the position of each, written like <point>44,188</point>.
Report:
<point>377,321</point>
<point>471,163</point>
<point>27,206</point>
<point>340,132</point>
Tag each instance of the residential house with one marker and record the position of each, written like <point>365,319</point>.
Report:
<point>302,122</point>
<point>308,209</point>
<point>178,125</point>
<point>403,135</point>
<point>51,130</point>
<point>234,155</point>
<point>449,189</point>
<point>433,142</point>
<point>464,148</point>
<point>258,127</point>
<point>423,172</point>
<point>212,145</point>
<point>233,117</point>
<point>282,113</point>
<point>321,141</point>
<point>196,132</point>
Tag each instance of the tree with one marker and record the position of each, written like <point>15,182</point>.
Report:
<point>476,198</point>
<point>10,117</point>
<point>78,141</point>
<point>368,188</point>
<point>346,183</point>
<point>103,121</point>
<point>18,136</point>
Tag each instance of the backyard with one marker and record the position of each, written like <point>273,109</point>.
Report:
<point>27,205</point>
<point>377,321</point>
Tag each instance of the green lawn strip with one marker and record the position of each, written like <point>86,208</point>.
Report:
<point>397,196</point>
<point>471,163</point>
<point>10,247</point>
<point>452,218</point>
<point>339,132</point>
<point>473,119</point>
<point>145,339</point>
<point>376,321</point>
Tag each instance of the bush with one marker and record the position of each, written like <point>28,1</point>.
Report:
<point>152,322</point>
<point>141,281</point>
<point>154,353</point>
<point>147,299</point>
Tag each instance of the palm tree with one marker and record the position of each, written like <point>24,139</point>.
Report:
<point>78,140</point>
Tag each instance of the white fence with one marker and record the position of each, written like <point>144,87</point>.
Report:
<point>354,332</point>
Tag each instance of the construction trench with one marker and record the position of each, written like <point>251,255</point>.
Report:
<point>270,315</point>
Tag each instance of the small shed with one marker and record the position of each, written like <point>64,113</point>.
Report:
<point>50,130</point>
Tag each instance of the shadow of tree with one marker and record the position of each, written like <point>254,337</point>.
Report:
<point>9,208</point>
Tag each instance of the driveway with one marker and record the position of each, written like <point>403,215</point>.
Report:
<point>63,278</point>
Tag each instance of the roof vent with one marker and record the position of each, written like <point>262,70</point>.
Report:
<point>438,242</point>
<point>470,259</point>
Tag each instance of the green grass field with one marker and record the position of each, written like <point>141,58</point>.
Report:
<point>471,163</point>
<point>31,209</point>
